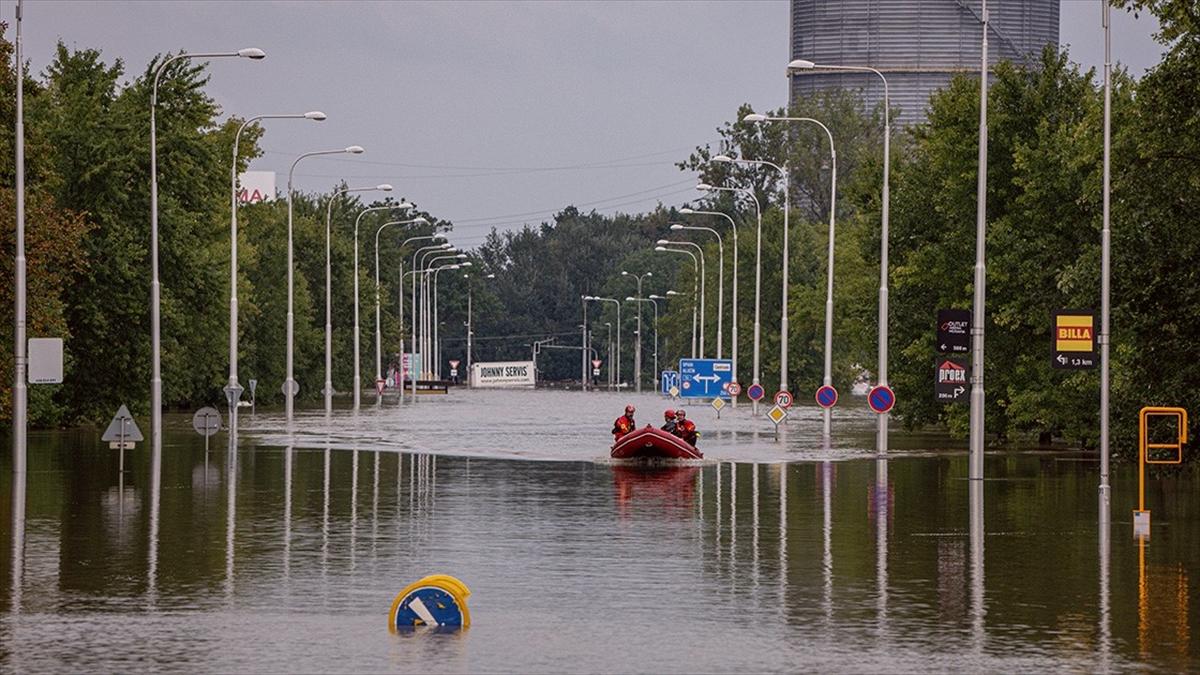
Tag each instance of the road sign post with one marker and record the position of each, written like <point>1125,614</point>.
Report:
<point>705,378</point>
<point>777,415</point>
<point>784,399</point>
<point>1074,340</point>
<point>253,386</point>
<point>718,403</point>
<point>951,379</point>
<point>1141,517</point>
<point>206,421</point>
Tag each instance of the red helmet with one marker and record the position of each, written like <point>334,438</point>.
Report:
<point>669,415</point>
<point>629,410</point>
<point>680,413</point>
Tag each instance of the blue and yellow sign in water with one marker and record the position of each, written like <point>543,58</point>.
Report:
<point>437,601</point>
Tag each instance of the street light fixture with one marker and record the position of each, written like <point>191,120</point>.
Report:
<point>290,388</point>
<point>828,381</point>
<point>720,281</point>
<point>695,286</point>
<point>787,209</point>
<point>637,352</point>
<point>402,206</point>
<point>233,390</point>
<point>419,220</point>
<point>327,390</point>
<point>734,329</point>
<point>703,275</point>
<point>617,357</point>
<point>882,432</point>
<point>757,275</point>
<point>252,53</point>
<point>650,300</point>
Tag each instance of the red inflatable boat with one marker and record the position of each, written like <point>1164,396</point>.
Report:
<point>651,443</point>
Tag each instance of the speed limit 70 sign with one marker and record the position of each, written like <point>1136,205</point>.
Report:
<point>784,399</point>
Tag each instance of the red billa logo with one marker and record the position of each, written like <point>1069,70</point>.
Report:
<point>1075,333</point>
<point>951,373</point>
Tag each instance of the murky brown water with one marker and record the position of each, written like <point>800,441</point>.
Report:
<point>278,557</point>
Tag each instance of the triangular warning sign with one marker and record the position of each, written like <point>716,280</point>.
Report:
<point>113,433</point>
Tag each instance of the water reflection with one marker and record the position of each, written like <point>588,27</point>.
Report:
<point>18,539</point>
<point>660,548</point>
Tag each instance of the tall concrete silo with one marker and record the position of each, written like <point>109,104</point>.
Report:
<point>917,44</point>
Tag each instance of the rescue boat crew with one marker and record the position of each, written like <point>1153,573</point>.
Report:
<point>624,424</point>
<point>685,428</point>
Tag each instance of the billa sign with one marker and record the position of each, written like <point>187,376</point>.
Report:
<point>1074,339</point>
<point>953,331</point>
<point>952,381</point>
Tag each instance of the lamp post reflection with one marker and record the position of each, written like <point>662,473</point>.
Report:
<point>18,539</point>
<point>287,514</point>
<point>882,497</point>
<point>978,610</point>
<point>827,538</point>
<point>1105,619</point>
<point>152,546</point>
<point>231,472</point>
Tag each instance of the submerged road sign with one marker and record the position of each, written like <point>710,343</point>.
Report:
<point>881,398</point>
<point>667,381</point>
<point>827,396</point>
<point>951,380</point>
<point>954,331</point>
<point>122,430</point>
<point>1074,339</point>
<point>704,378</point>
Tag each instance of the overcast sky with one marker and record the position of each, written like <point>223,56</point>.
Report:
<point>490,113</point>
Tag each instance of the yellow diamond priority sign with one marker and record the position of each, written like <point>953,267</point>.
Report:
<point>718,404</point>
<point>674,392</point>
<point>777,415</point>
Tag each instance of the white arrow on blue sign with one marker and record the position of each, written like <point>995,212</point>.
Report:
<point>704,378</point>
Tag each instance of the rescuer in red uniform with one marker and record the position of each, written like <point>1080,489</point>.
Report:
<point>669,419</point>
<point>685,429</point>
<point>624,424</point>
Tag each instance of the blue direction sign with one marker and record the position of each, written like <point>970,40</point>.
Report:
<point>668,379</point>
<point>881,398</point>
<point>704,378</point>
<point>827,396</point>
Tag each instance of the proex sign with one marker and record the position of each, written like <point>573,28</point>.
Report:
<point>518,374</point>
<point>952,379</point>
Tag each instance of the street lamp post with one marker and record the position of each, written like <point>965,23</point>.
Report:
<point>671,294</point>
<point>418,327</point>
<point>429,314</point>
<point>436,348</point>
<point>608,324</point>
<point>378,333</point>
<point>617,357</point>
<point>1105,259</point>
<point>403,206</point>
<point>702,274</point>
<point>787,208</point>
<point>327,390</point>
<point>882,433</point>
<point>828,380</point>
<point>720,281</point>
<point>400,304</point>
<point>289,385</point>
<point>975,457</point>
<point>233,390</point>
<point>655,304</point>
<point>734,330</point>
<point>637,352</point>
<point>757,276</point>
<point>20,393</point>
<point>470,328</point>
<point>155,303</point>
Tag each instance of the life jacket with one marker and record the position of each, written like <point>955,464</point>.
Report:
<point>623,425</point>
<point>687,431</point>
<point>669,427</point>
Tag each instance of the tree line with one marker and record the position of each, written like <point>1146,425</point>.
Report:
<point>88,246</point>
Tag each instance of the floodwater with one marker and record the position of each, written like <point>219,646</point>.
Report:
<point>285,553</point>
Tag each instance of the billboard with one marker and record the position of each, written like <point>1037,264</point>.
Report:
<point>256,186</point>
<point>510,374</point>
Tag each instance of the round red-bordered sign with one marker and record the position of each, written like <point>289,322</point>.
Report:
<point>827,396</point>
<point>733,388</point>
<point>756,392</point>
<point>784,399</point>
<point>881,398</point>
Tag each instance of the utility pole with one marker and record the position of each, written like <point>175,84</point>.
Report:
<point>20,357</point>
<point>975,463</point>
